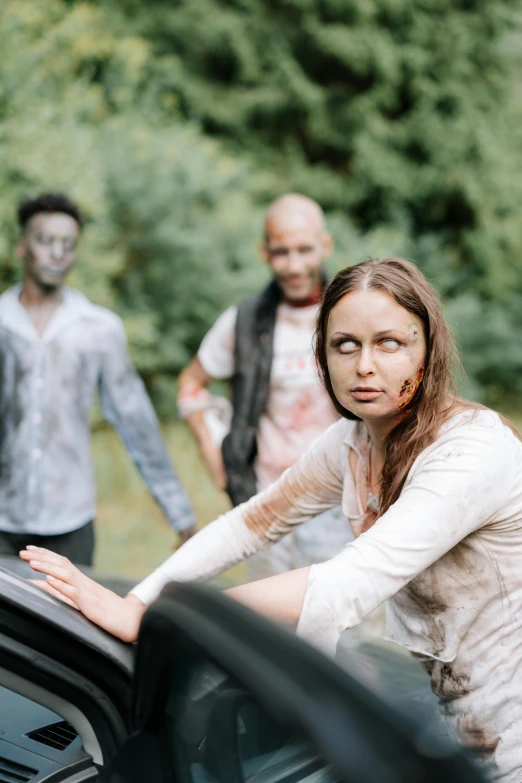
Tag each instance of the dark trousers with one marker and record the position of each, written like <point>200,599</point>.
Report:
<point>78,545</point>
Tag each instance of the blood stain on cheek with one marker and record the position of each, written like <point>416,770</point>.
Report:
<point>409,387</point>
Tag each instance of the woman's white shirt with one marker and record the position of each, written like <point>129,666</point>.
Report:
<point>448,555</point>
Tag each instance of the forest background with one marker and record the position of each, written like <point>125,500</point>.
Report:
<point>175,122</point>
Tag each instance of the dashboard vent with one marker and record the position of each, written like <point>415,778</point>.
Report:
<point>57,735</point>
<point>11,772</point>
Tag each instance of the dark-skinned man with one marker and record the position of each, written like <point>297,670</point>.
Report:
<point>56,349</point>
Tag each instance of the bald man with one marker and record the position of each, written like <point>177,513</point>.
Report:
<point>279,407</point>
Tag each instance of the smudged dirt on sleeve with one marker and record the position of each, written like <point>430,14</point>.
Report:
<point>292,499</point>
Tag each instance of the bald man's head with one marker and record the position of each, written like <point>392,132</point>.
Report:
<point>296,243</point>
<point>294,208</point>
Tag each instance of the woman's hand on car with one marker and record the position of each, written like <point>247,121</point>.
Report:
<point>119,616</point>
<point>43,585</point>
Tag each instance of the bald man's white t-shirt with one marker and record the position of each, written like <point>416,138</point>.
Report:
<point>298,408</point>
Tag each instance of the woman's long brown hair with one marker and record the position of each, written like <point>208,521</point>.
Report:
<point>436,396</point>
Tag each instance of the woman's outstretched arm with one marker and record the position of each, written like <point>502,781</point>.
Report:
<point>311,486</point>
<point>279,597</point>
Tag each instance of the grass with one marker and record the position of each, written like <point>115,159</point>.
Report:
<point>133,536</point>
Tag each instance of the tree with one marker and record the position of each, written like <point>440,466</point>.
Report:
<point>174,123</point>
<point>169,235</point>
<point>399,116</point>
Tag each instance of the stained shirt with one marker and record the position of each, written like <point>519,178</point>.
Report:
<point>47,388</point>
<point>298,409</point>
<point>445,557</point>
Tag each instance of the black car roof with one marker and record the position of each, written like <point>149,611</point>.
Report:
<point>31,600</point>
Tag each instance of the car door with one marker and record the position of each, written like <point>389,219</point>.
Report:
<point>65,689</point>
<point>222,695</point>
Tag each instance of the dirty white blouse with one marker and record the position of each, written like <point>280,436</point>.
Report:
<point>448,555</point>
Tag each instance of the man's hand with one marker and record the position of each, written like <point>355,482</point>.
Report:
<point>192,382</point>
<point>213,459</point>
<point>184,536</point>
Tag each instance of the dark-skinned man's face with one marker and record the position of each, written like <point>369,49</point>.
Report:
<point>48,248</point>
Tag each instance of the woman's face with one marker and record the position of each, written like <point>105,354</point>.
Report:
<point>376,352</point>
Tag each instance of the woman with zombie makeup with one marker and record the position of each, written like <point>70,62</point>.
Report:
<point>432,486</point>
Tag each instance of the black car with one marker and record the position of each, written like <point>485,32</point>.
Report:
<point>211,693</point>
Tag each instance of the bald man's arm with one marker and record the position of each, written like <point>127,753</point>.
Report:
<point>192,383</point>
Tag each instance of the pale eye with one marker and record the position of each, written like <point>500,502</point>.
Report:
<point>348,346</point>
<point>44,240</point>
<point>390,345</point>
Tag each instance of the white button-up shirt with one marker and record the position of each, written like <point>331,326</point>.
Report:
<point>447,555</point>
<point>47,388</point>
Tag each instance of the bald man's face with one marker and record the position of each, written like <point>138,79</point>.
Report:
<point>295,248</point>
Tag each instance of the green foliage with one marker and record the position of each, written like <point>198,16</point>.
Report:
<point>171,227</point>
<point>175,122</point>
<point>401,118</point>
